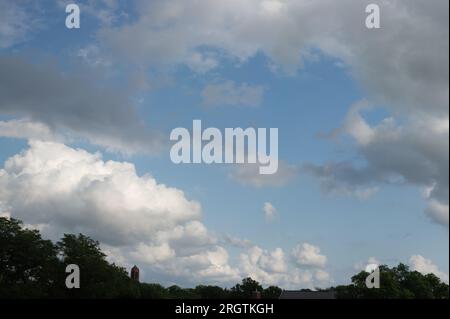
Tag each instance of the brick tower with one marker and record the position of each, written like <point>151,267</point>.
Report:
<point>134,274</point>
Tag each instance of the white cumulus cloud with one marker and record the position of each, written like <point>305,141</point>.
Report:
<point>64,190</point>
<point>308,255</point>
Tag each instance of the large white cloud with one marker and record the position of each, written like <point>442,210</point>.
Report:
<point>74,189</point>
<point>59,189</point>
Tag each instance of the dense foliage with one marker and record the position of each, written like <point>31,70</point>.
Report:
<point>32,267</point>
<point>395,283</point>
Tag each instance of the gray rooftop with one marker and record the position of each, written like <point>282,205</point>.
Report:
<point>292,294</point>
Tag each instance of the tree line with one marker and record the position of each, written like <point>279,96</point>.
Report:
<point>33,267</point>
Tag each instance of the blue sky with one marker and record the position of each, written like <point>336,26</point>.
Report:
<point>359,181</point>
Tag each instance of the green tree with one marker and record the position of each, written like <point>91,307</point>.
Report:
<point>176,292</point>
<point>153,291</point>
<point>271,292</point>
<point>395,283</point>
<point>211,292</point>
<point>98,278</point>
<point>246,289</point>
<point>28,264</point>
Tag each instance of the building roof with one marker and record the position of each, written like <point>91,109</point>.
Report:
<point>293,294</point>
